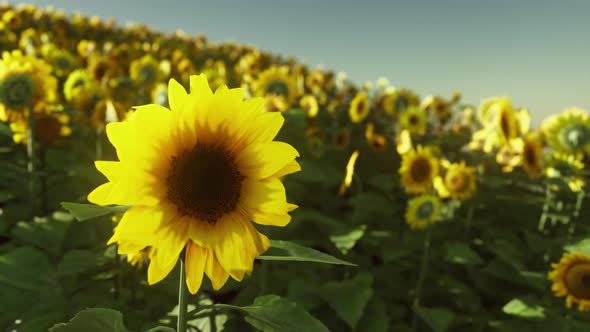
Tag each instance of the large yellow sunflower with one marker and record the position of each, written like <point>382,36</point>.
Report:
<point>414,120</point>
<point>571,278</point>
<point>359,107</point>
<point>277,81</point>
<point>422,211</point>
<point>196,175</point>
<point>568,132</point>
<point>24,81</point>
<point>458,182</point>
<point>145,71</point>
<point>418,169</point>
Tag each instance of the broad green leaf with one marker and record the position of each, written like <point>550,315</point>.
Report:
<point>5,130</point>
<point>519,308</point>
<point>47,234</point>
<point>349,297</point>
<point>376,317</point>
<point>583,246</point>
<point>461,253</point>
<point>161,329</point>
<point>439,319</point>
<point>89,211</point>
<point>345,241</point>
<point>5,196</point>
<point>77,261</point>
<point>272,313</point>
<point>93,320</point>
<point>295,252</point>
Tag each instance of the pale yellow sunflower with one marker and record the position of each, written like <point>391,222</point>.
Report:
<point>310,105</point>
<point>276,80</point>
<point>422,211</point>
<point>571,279</point>
<point>458,183</point>
<point>145,71</point>
<point>397,101</point>
<point>196,175</point>
<point>414,120</point>
<point>418,169</point>
<point>568,132</point>
<point>359,107</point>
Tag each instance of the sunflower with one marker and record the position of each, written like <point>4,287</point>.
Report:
<point>414,120</point>
<point>397,101</point>
<point>571,278</point>
<point>375,141</point>
<point>275,103</point>
<point>24,81</point>
<point>215,72</point>
<point>310,105</point>
<point>315,81</point>
<point>458,183</point>
<point>102,68</point>
<point>359,107</point>
<point>315,142</point>
<point>62,61</point>
<point>196,174</point>
<point>422,211</point>
<point>140,258</point>
<point>568,132</point>
<point>80,89</point>
<point>566,168</point>
<point>106,111</point>
<point>532,155</point>
<point>51,126</point>
<point>277,81</point>
<point>145,71</point>
<point>418,169</point>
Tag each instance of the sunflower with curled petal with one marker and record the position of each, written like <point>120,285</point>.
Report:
<point>24,80</point>
<point>359,107</point>
<point>458,183</point>
<point>422,211</point>
<point>418,169</point>
<point>568,132</point>
<point>276,80</point>
<point>571,279</point>
<point>209,167</point>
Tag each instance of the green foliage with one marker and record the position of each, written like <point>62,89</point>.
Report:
<point>289,251</point>
<point>93,320</point>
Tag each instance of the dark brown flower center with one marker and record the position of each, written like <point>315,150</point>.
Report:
<point>530,155</point>
<point>420,169</point>
<point>505,125</point>
<point>204,182</point>
<point>577,280</point>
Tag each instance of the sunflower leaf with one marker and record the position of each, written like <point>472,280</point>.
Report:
<point>84,212</point>
<point>518,307</point>
<point>349,297</point>
<point>439,319</point>
<point>5,130</point>
<point>93,320</point>
<point>295,252</point>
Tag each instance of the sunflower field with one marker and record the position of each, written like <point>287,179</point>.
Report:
<point>163,182</point>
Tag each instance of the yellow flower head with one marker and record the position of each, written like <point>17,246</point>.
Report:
<point>458,183</point>
<point>80,89</point>
<point>315,81</point>
<point>359,107</point>
<point>106,111</point>
<point>61,60</point>
<point>140,258</point>
<point>397,101</point>
<point>568,132</point>
<point>196,175</point>
<point>422,211</point>
<point>571,278</point>
<point>418,169</point>
<point>532,155</point>
<point>310,105</point>
<point>341,139</point>
<point>24,80</point>
<point>414,120</point>
<point>315,142</point>
<point>277,81</point>
<point>51,126</point>
<point>566,167</point>
<point>376,142</point>
<point>145,71</point>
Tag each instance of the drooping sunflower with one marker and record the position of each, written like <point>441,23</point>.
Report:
<point>418,169</point>
<point>422,211</point>
<point>532,155</point>
<point>571,278</point>
<point>414,120</point>
<point>566,168</point>
<point>568,132</point>
<point>458,182</point>
<point>51,126</point>
<point>276,80</point>
<point>24,81</point>
<point>310,105</point>
<point>196,175</point>
<point>359,107</point>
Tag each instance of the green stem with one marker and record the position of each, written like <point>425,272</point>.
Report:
<point>182,299</point>
<point>212,320</point>
<point>43,167</point>
<point>119,276</point>
<point>421,277</point>
<point>31,166</point>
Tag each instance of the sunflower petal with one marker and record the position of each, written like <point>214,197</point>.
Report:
<point>215,272</point>
<point>176,94</point>
<point>140,225</point>
<point>263,161</point>
<point>159,268</point>
<point>195,260</point>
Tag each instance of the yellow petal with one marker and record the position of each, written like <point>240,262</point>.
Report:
<point>265,202</point>
<point>159,268</point>
<point>238,244</point>
<point>200,86</point>
<point>262,161</point>
<point>176,95</point>
<point>291,167</point>
<point>195,260</point>
<point>140,224</point>
<point>172,238</point>
<point>215,272</point>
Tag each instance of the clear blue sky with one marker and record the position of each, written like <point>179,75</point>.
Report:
<point>535,51</point>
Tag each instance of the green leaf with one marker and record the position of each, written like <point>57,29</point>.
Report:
<point>272,313</point>
<point>519,308</point>
<point>349,297</point>
<point>5,196</point>
<point>345,241</point>
<point>77,261</point>
<point>375,318</point>
<point>295,252</point>
<point>5,130</point>
<point>161,329</point>
<point>439,319</point>
<point>89,211</point>
<point>583,246</point>
<point>44,233</point>
<point>461,253</point>
<point>93,320</point>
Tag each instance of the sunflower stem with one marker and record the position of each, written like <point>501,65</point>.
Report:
<point>212,320</point>
<point>421,277</point>
<point>31,165</point>
<point>182,299</point>
<point>42,166</point>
